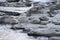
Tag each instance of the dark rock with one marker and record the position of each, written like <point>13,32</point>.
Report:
<point>11,13</point>
<point>44,18</point>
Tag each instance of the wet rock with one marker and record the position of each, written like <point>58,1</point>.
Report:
<point>50,25</point>
<point>21,26</point>
<point>34,20</point>
<point>13,0</point>
<point>8,20</point>
<point>42,38</point>
<point>29,28</point>
<point>52,14</point>
<point>56,20</point>
<point>26,26</point>
<point>17,26</point>
<point>23,19</point>
<point>11,13</point>
<point>48,30</point>
<point>54,38</point>
<point>44,22</point>
<point>11,20</point>
<point>55,7</point>
<point>56,28</point>
<point>44,18</point>
<point>42,32</point>
<point>1,13</point>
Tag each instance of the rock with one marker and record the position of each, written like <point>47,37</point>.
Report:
<point>53,13</point>
<point>1,19</point>
<point>42,32</point>
<point>9,20</point>
<point>34,20</point>
<point>44,22</point>
<point>28,13</point>
<point>26,26</point>
<point>29,28</point>
<point>1,13</point>
<point>34,9</point>
<point>43,38</point>
<point>22,26</point>
<point>17,26</point>
<point>44,18</point>
<point>56,28</point>
<point>54,38</point>
<point>55,7</point>
<point>10,13</point>
<point>23,19</point>
<point>50,25</point>
<point>56,20</point>
<point>47,30</point>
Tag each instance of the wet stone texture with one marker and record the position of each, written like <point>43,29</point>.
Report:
<point>37,21</point>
